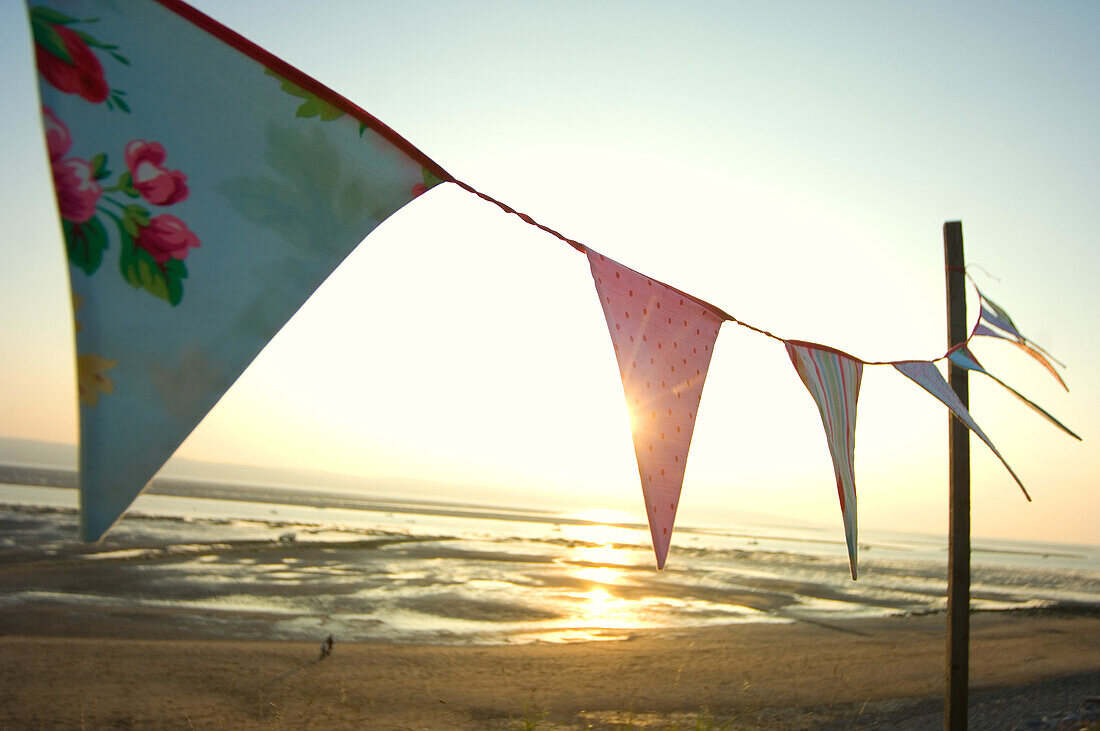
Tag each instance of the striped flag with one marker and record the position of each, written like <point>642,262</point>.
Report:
<point>833,379</point>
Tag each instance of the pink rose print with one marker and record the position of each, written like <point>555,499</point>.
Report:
<point>58,139</point>
<point>74,180</point>
<point>166,237</point>
<point>82,75</point>
<point>418,190</point>
<point>76,188</point>
<point>67,59</point>
<point>150,178</point>
<point>94,212</point>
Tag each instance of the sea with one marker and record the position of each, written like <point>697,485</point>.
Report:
<point>302,566</point>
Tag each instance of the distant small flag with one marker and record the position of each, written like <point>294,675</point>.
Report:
<point>995,322</point>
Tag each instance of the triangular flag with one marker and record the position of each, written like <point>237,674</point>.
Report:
<point>962,357</point>
<point>981,329</point>
<point>663,342</point>
<point>205,190</point>
<point>927,376</point>
<point>995,315</point>
<point>833,379</point>
<point>1020,342</point>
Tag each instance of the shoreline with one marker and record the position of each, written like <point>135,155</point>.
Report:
<point>215,622</point>
<point>877,673</point>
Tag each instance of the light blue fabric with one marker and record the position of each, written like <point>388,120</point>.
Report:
<point>255,188</point>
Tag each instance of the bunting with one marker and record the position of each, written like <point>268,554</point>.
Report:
<point>928,377</point>
<point>663,343</point>
<point>833,379</point>
<point>205,190</point>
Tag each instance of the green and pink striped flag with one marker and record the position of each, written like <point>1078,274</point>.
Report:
<point>833,379</point>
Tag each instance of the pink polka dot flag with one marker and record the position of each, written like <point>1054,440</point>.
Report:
<point>663,342</point>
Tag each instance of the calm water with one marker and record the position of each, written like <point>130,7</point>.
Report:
<point>253,570</point>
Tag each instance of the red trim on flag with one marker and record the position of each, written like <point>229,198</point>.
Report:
<point>718,312</point>
<point>307,82</point>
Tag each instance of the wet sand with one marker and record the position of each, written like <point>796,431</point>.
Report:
<point>879,673</point>
<point>177,624</point>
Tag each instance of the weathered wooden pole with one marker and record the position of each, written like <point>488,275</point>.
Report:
<point>958,531</point>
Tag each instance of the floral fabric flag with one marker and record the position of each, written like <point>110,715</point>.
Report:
<point>663,343</point>
<point>927,376</point>
<point>833,379</point>
<point>205,190</point>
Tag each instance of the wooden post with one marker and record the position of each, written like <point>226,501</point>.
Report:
<point>958,561</point>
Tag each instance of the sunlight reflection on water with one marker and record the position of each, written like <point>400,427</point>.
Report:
<point>472,580</point>
<point>599,609</point>
<point>598,558</point>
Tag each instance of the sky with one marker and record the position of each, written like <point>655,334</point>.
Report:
<point>792,163</point>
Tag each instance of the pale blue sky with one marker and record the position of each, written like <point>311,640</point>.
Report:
<point>791,162</point>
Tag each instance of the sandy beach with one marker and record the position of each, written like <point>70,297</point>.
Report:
<point>217,622</point>
<point>880,673</point>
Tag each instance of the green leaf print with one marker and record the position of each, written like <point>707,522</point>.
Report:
<point>430,180</point>
<point>313,106</point>
<point>99,167</point>
<point>174,273</point>
<point>49,15</point>
<point>85,243</point>
<point>140,269</point>
<point>46,36</point>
